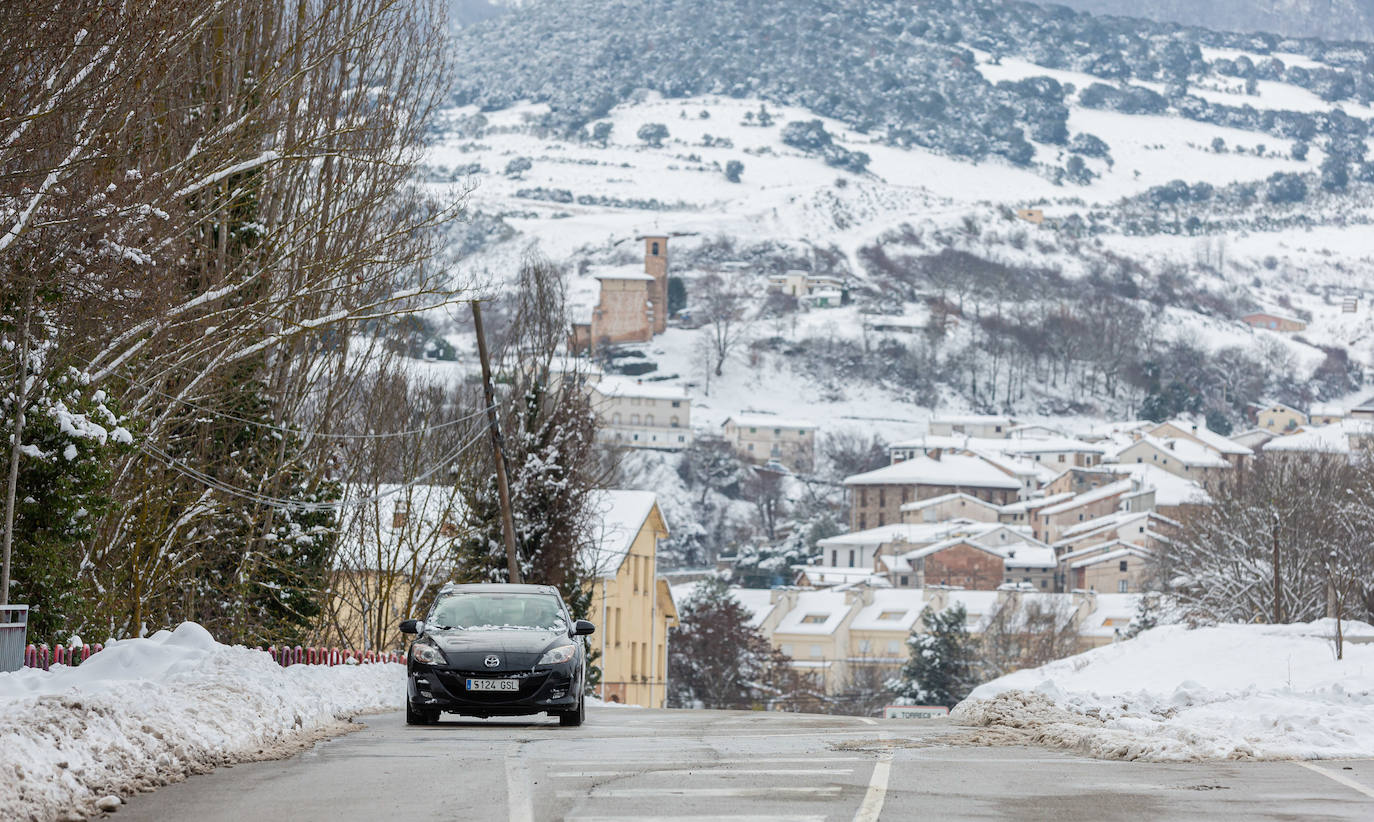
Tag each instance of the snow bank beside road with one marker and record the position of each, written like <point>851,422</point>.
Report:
<point>145,712</point>
<point>1227,692</point>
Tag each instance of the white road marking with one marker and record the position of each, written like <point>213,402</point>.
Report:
<point>867,720</point>
<point>678,763</point>
<point>518,798</point>
<point>872,806</point>
<point>1337,776</point>
<point>705,768</point>
<point>714,818</point>
<point>741,793</point>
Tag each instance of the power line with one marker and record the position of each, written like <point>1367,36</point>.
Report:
<point>181,467</point>
<point>301,432</point>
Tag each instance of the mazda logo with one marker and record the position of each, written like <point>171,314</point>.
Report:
<point>492,661</point>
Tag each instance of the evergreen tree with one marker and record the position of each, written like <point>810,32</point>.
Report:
<point>942,666</point>
<point>719,660</point>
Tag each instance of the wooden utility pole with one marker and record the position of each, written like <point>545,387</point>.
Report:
<point>498,448</point>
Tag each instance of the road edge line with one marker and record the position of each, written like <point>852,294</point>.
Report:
<point>872,806</point>
<point>1339,777</point>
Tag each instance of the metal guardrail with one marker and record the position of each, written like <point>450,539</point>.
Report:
<point>14,629</point>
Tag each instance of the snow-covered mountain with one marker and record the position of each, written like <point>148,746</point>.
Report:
<point>1185,177</point>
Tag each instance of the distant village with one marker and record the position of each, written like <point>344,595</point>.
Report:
<point>992,513</point>
<point>985,511</point>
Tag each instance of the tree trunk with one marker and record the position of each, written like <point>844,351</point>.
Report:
<point>12,483</point>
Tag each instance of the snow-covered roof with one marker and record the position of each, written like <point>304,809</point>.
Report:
<point>909,532</point>
<point>1333,438</point>
<point>943,498</point>
<point>1027,555</point>
<point>1087,497</point>
<point>1186,451</point>
<point>619,516</point>
<point>616,386</point>
<point>1125,550</point>
<point>1116,519</point>
<point>1170,489</point>
<point>759,420</point>
<point>827,575</point>
<point>954,470</point>
<point>1036,502</point>
<point>757,601</point>
<point>620,272</point>
<point>1327,409</point>
<point>973,419</point>
<point>1208,437</point>
<point>816,612</point>
<point>895,609</point>
<point>1111,613</point>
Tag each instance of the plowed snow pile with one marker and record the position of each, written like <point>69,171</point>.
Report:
<point>1227,692</point>
<point>144,712</point>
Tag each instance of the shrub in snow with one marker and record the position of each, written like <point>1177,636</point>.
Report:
<point>653,134</point>
<point>733,170</point>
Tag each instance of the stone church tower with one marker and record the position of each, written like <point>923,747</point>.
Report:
<point>656,266</point>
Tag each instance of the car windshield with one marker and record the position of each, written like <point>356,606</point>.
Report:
<point>530,612</point>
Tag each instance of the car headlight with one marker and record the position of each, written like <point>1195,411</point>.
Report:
<point>426,654</point>
<point>555,656</point>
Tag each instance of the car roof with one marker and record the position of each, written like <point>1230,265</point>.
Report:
<point>497,588</point>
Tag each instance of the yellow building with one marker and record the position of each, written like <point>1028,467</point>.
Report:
<point>632,606</point>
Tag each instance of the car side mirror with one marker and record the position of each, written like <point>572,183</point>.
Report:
<point>413,626</point>
<point>583,628</point>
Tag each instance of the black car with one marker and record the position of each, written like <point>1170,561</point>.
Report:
<point>497,650</point>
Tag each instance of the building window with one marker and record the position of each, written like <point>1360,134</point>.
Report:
<point>835,556</point>
<point>816,652</point>
<point>634,419</point>
<point>786,649</point>
<point>615,418</point>
<point>851,557</point>
<point>648,419</point>
<point>1121,586</point>
<point>891,616</point>
<point>677,403</point>
<point>906,581</point>
<point>864,646</point>
<point>1123,566</point>
<point>894,646</point>
<point>813,619</point>
<point>653,249</point>
<point>674,422</point>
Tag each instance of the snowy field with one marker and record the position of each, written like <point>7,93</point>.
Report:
<point>1226,692</point>
<point>146,712</point>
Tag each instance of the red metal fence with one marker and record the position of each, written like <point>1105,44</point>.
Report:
<point>41,656</point>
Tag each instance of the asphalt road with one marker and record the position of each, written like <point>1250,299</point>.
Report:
<point>687,766</point>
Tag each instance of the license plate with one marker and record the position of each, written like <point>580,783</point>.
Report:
<point>493,685</point>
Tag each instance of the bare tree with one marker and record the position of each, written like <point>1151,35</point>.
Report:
<point>721,302</point>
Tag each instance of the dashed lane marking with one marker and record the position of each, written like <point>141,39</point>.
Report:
<point>714,818</point>
<point>518,799</point>
<point>1337,776</point>
<point>734,793</point>
<point>705,768</point>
